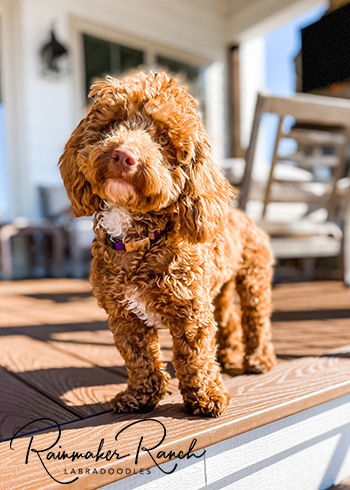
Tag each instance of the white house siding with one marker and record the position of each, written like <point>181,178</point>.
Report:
<point>50,110</point>
<point>4,180</point>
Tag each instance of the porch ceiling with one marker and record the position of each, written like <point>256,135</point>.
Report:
<point>246,18</point>
<point>242,19</point>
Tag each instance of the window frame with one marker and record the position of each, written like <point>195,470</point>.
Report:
<point>151,49</point>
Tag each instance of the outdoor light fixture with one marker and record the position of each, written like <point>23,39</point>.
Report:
<point>54,57</point>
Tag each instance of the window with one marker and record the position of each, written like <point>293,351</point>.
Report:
<point>192,78</point>
<point>106,58</point>
<point>190,72</point>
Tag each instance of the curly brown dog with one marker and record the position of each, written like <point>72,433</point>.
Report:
<point>168,249</point>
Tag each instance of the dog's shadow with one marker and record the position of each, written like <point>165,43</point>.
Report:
<point>69,385</point>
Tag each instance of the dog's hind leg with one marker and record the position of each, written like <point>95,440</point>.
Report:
<point>229,335</point>
<point>254,288</point>
<point>139,346</point>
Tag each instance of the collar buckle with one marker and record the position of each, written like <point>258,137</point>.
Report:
<point>143,244</point>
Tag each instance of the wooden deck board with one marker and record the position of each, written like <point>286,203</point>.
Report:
<point>20,310</point>
<point>256,401</point>
<point>95,346</point>
<point>77,385</point>
<point>55,341</point>
<point>20,404</point>
<point>311,296</point>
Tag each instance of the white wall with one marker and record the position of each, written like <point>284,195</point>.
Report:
<point>49,112</point>
<point>12,84</point>
<point>4,171</point>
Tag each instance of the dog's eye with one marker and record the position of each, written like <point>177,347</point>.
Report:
<point>163,139</point>
<point>116,124</point>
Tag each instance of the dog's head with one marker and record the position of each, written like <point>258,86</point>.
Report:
<point>142,147</point>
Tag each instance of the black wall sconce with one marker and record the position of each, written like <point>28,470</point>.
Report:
<point>54,57</point>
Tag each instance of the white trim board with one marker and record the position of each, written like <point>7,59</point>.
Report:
<point>306,451</point>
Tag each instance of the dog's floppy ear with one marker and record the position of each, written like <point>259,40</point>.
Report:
<point>84,202</point>
<point>109,98</point>
<point>203,204</point>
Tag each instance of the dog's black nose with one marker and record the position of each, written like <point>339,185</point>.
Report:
<point>125,156</point>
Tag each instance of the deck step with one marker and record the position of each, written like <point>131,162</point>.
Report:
<point>292,421</point>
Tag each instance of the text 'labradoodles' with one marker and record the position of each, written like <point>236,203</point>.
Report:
<point>168,250</point>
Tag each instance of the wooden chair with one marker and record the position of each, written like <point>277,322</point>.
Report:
<point>58,228</point>
<point>34,233</point>
<point>56,207</point>
<point>319,122</point>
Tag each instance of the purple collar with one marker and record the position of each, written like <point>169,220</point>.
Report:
<point>142,244</point>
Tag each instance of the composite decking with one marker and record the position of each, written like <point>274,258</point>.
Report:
<point>58,362</point>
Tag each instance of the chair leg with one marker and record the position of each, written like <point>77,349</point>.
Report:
<point>75,257</point>
<point>6,262</point>
<point>57,252</point>
<point>309,268</point>
<point>6,232</point>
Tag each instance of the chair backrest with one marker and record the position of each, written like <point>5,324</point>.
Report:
<point>327,120</point>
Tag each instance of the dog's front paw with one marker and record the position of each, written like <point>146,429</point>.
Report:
<point>129,401</point>
<point>259,363</point>
<point>212,403</point>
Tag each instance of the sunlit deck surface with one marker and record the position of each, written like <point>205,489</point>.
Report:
<point>58,360</point>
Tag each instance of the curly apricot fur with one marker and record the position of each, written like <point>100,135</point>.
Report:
<point>186,280</point>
